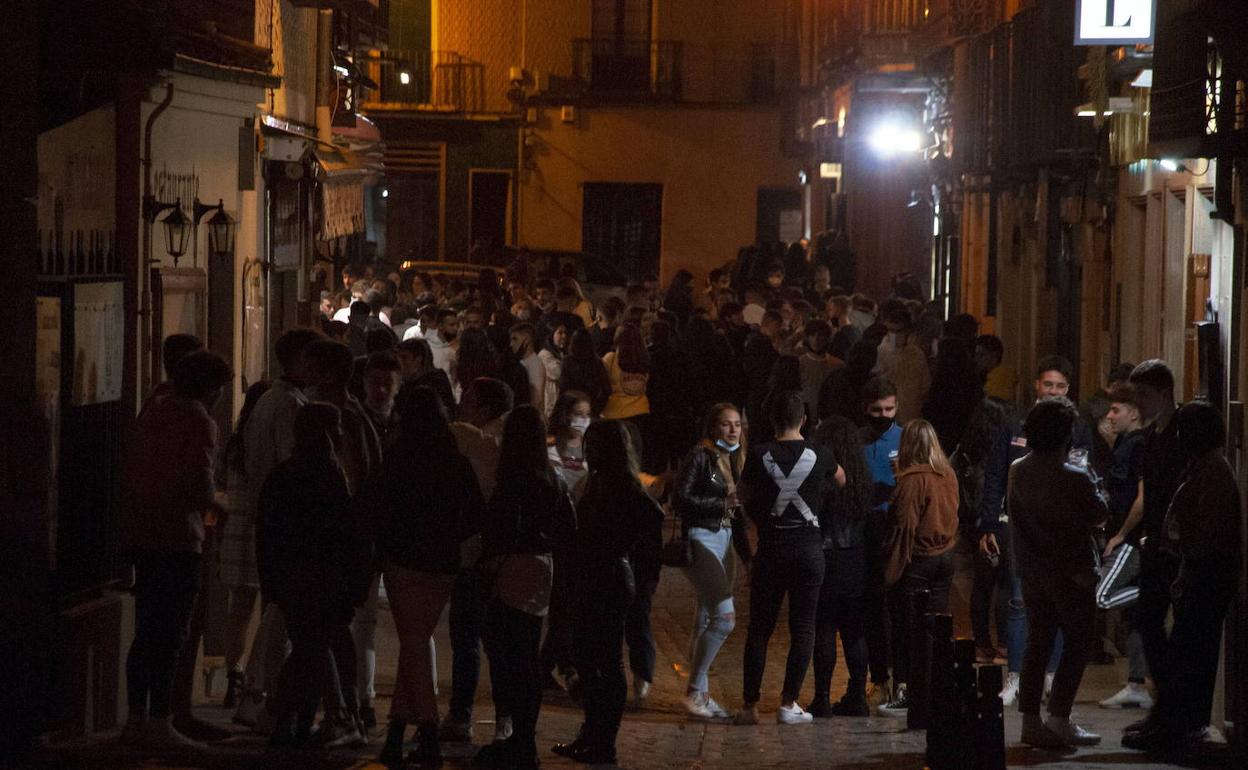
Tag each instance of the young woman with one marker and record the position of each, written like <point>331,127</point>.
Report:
<point>619,532</point>
<point>918,544</point>
<point>421,527</point>
<point>238,549</point>
<point>529,518</point>
<point>628,367</point>
<point>303,555</point>
<point>705,497</point>
<point>842,597</point>
<point>569,420</point>
<point>551,357</point>
<point>583,370</point>
<point>785,481</point>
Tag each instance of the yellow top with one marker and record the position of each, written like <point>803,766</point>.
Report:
<point>1002,383</point>
<point>628,391</point>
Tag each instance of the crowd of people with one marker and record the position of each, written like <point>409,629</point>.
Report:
<point>510,451</point>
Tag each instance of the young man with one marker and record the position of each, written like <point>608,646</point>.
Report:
<point>1053,375</point>
<point>1159,567</point>
<point>784,483</point>
<point>761,351</point>
<point>1121,566</point>
<point>382,376</point>
<point>905,364</point>
<point>815,362</point>
<point>478,435</point>
<point>881,439</point>
<point>1202,530</point>
<point>443,340</point>
<point>169,495</point>
<point>1054,507</point>
<point>524,348</point>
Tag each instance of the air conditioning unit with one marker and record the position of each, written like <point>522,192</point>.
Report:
<point>567,113</point>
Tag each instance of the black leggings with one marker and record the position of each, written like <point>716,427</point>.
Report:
<point>933,573</point>
<point>165,587</point>
<point>798,572</point>
<point>598,640</point>
<point>321,666</point>
<point>512,638</point>
<point>843,614</point>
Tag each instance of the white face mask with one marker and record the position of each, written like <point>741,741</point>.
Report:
<point>579,423</point>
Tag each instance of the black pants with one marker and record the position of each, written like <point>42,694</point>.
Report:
<point>1186,700</point>
<point>599,618</point>
<point>200,625</point>
<point>990,594</point>
<point>317,669</point>
<point>795,571</point>
<point>933,573</point>
<point>637,632</point>
<point>1157,573</point>
<point>876,622</point>
<point>469,607</point>
<point>512,641</point>
<point>1065,603</point>
<point>165,587</point>
<point>557,645</point>
<point>844,615</point>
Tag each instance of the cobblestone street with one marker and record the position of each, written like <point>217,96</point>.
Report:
<point>661,736</point>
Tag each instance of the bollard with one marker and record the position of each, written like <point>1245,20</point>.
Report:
<point>918,683</point>
<point>943,749</point>
<point>990,727</point>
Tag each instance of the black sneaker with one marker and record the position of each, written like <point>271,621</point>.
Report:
<point>899,706</point>
<point>820,708</point>
<point>852,705</point>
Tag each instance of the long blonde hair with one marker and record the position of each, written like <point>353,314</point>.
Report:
<point>920,446</point>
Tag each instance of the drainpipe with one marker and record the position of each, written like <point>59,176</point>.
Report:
<point>145,283</point>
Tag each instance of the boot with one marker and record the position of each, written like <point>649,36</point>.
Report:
<point>392,753</point>
<point>428,752</point>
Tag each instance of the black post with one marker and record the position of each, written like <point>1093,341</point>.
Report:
<point>919,676</point>
<point>943,750</point>
<point>989,735</point>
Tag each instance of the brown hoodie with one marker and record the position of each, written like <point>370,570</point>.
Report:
<point>922,518</point>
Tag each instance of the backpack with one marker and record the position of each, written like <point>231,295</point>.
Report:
<point>970,475</point>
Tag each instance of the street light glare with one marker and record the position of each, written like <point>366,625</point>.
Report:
<point>890,139</point>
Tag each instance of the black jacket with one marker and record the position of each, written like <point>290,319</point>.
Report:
<point>700,489</point>
<point>535,519</point>
<point>615,531</point>
<point>427,503</point>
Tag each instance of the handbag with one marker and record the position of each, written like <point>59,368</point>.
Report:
<point>677,551</point>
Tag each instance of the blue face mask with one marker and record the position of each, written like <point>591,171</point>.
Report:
<point>724,445</point>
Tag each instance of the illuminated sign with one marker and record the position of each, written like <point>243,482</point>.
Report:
<point>1114,22</point>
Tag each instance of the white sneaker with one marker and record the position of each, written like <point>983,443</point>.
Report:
<point>793,715</point>
<point>162,735</point>
<point>1070,733</point>
<point>1048,686</point>
<point>641,690</point>
<point>702,706</point>
<point>1009,695</point>
<point>1134,696</point>
<point>502,729</point>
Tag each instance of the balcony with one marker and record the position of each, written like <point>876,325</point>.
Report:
<point>631,68</point>
<point>426,81</point>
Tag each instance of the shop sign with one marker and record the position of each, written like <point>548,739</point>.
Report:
<point>1114,22</point>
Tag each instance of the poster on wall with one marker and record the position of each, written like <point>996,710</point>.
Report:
<point>99,336</point>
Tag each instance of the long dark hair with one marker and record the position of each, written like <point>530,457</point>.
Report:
<point>583,370</point>
<point>522,458</point>
<point>630,350</point>
<point>613,472</point>
<point>236,448</point>
<point>476,357</point>
<point>422,422</point>
<point>561,415</point>
<point>983,426</point>
<point>841,436</point>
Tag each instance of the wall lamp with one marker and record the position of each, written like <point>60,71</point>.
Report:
<point>177,225</point>
<point>220,226</point>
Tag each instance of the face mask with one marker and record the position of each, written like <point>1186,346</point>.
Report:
<point>724,445</point>
<point>579,423</point>
<point>880,424</point>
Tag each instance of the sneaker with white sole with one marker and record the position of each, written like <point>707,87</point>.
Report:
<point>160,734</point>
<point>899,706</point>
<point>702,706</point>
<point>793,715</point>
<point>641,690</point>
<point>1134,696</point>
<point>1048,686</point>
<point>1070,733</point>
<point>502,729</point>
<point>1009,694</point>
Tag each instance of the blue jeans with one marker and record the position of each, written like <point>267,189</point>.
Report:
<point>712,571</point>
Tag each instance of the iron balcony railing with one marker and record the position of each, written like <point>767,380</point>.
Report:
<point>628,67</point>
<point>443,81</point>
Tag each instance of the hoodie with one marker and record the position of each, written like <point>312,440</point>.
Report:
<point>443,353</point>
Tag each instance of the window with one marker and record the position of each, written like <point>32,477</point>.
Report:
<point>623,224</point>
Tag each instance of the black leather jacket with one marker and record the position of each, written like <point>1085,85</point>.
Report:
<point>700,490</point>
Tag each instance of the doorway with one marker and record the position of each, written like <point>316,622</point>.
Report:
<point>489,210</point>
<point>412,216</point>
<point>623,223</point>
<point>779,216</point>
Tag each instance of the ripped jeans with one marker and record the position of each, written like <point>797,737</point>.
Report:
<point>712,571</point>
